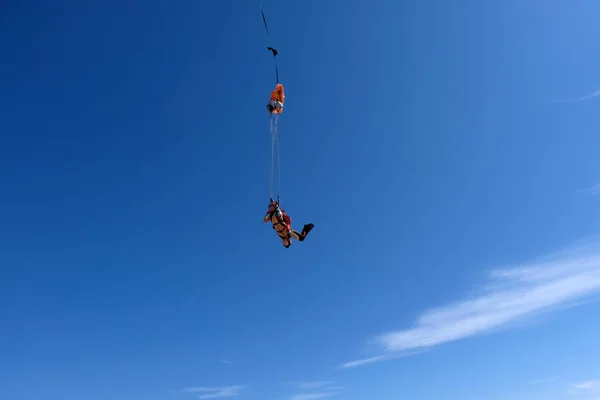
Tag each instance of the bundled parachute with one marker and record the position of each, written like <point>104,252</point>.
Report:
<point>275,105</point>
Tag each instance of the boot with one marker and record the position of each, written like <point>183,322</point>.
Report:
<point>307,228</point>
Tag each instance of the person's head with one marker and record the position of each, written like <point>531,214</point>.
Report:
<point>273,206</point>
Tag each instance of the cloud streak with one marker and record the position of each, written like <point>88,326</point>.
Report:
<point>594,190</point>
<point>325,389</point>
<point>587,385</point>
<point>314,384</point>
<point>312,396</point>
<point>590,96</point>
<point>586,389</point>
<point>543,380</point>
<point>213,393</point>
<point>513,294</point>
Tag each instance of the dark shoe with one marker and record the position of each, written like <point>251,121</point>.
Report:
<point>307,228</point>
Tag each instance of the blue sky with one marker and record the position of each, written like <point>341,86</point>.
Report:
<point>445,151</point>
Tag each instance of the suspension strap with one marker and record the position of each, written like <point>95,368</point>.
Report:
<point>274,117</point>
<point>275,151</point>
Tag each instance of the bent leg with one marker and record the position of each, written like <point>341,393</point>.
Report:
<point>296,235</point>
<point>286,241</point>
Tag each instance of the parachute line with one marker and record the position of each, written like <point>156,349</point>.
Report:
<point>272,158</point>
<point>278,158</point>
<point>275,168</point>
<point>270,47</point>
<point>279,97</point>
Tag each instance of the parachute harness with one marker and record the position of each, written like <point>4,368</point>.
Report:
<point>284,231</point>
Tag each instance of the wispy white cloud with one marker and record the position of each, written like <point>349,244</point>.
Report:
<point>314,384</point>
<point>215,392</point>
<point>589,390</point>
<point>320,389</point>
<point>312,396</point>
<point>589,96</point>
<point>586,385</point>
<point>226,361</point>
<point>365,361</point>
<point>594,190</point>
<point>543,380</point>
<point>514,293</point>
